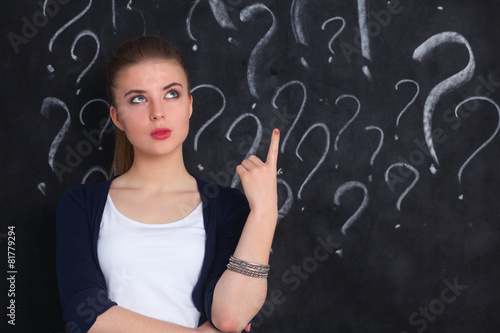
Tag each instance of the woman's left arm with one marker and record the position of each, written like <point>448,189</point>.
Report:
<point>237,297</point>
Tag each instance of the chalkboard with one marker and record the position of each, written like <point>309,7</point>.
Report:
<point>389,179</point>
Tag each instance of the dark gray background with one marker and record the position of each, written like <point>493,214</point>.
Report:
<point>391,270</point>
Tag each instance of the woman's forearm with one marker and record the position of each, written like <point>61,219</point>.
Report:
<point>238,297</point>
<point>119,319</point>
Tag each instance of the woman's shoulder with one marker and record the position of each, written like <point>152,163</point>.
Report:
<point>84,192</point>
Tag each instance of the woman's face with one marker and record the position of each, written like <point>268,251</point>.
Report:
<point>153,106</point>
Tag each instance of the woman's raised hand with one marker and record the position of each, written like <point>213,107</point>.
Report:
<point>259,179</point>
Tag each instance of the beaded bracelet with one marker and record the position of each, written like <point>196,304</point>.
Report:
<point>248,268</point>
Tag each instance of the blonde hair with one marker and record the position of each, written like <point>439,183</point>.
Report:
<point>135,51</point>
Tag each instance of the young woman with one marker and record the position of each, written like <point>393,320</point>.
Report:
<point>157,249</point>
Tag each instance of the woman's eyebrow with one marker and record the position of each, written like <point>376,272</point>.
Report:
<point>136,91</point>
<point>172,84</point>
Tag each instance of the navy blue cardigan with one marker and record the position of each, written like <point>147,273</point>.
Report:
<point>82,287</point>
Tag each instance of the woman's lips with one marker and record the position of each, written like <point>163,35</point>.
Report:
<point>161,133</point>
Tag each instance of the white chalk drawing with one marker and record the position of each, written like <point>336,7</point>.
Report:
<point>64,27</point>
<point>409,103</point>
<point>256,57</point>
<point>322,158</point>
<point>287,205</point>
<point>299,114</point>
<point>409,188</point>
<point>330,42</point>
<point>221,15</point>
<point>380,143</point>
<point>297,16</point>
<point>215,116</point>
<point>356,113</point>
<point>362,207</point>
<point>75,57</point>
<point>363,17</point>
<point>489,100</point>
<point>47,104</point>
<point>92,170</point>
<point>189,22</point>
<point>448,85</point>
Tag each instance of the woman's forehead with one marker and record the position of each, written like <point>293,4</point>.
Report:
<point>150,73</point>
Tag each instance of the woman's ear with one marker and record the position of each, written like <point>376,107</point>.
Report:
<point>190,106</point>
<point>115,117</point>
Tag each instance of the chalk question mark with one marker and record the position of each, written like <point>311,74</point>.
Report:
<point>380,143</point>
<point>299,114</point>
<point>487,141</point>
<point>322,158</point>
<point>64,27</point>
<point>255,57</point>
<point>409,188</point>
<point>407,105</point>
<point>362,207</point>
<point>73,55</point>
<point>335,146</point>
<point>330,42</point>
<point>215,116</point>
<point>47,103</point>
<point>452,83</point>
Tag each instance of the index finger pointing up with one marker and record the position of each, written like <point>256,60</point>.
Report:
<point>272,154</point>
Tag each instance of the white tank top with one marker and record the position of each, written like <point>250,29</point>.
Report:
<point>152,268</point>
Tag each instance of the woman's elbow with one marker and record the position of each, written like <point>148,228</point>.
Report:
<point>229,324</point>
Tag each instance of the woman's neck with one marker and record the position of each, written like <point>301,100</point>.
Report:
<point>159,173</point>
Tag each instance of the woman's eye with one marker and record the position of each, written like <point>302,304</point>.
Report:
<point>138,99</point>
<point>172,94</point>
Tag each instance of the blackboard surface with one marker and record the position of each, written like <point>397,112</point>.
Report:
<point>389,177</point>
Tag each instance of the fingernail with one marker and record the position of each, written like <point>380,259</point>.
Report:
<point>276,131</point>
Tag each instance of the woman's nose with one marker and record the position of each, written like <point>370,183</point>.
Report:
<point>157,111</point>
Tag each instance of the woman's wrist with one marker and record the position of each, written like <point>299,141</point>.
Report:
<point>265,212</point>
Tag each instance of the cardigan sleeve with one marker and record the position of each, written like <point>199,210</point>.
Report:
<point>234,212</point>
<point>82,287</point>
